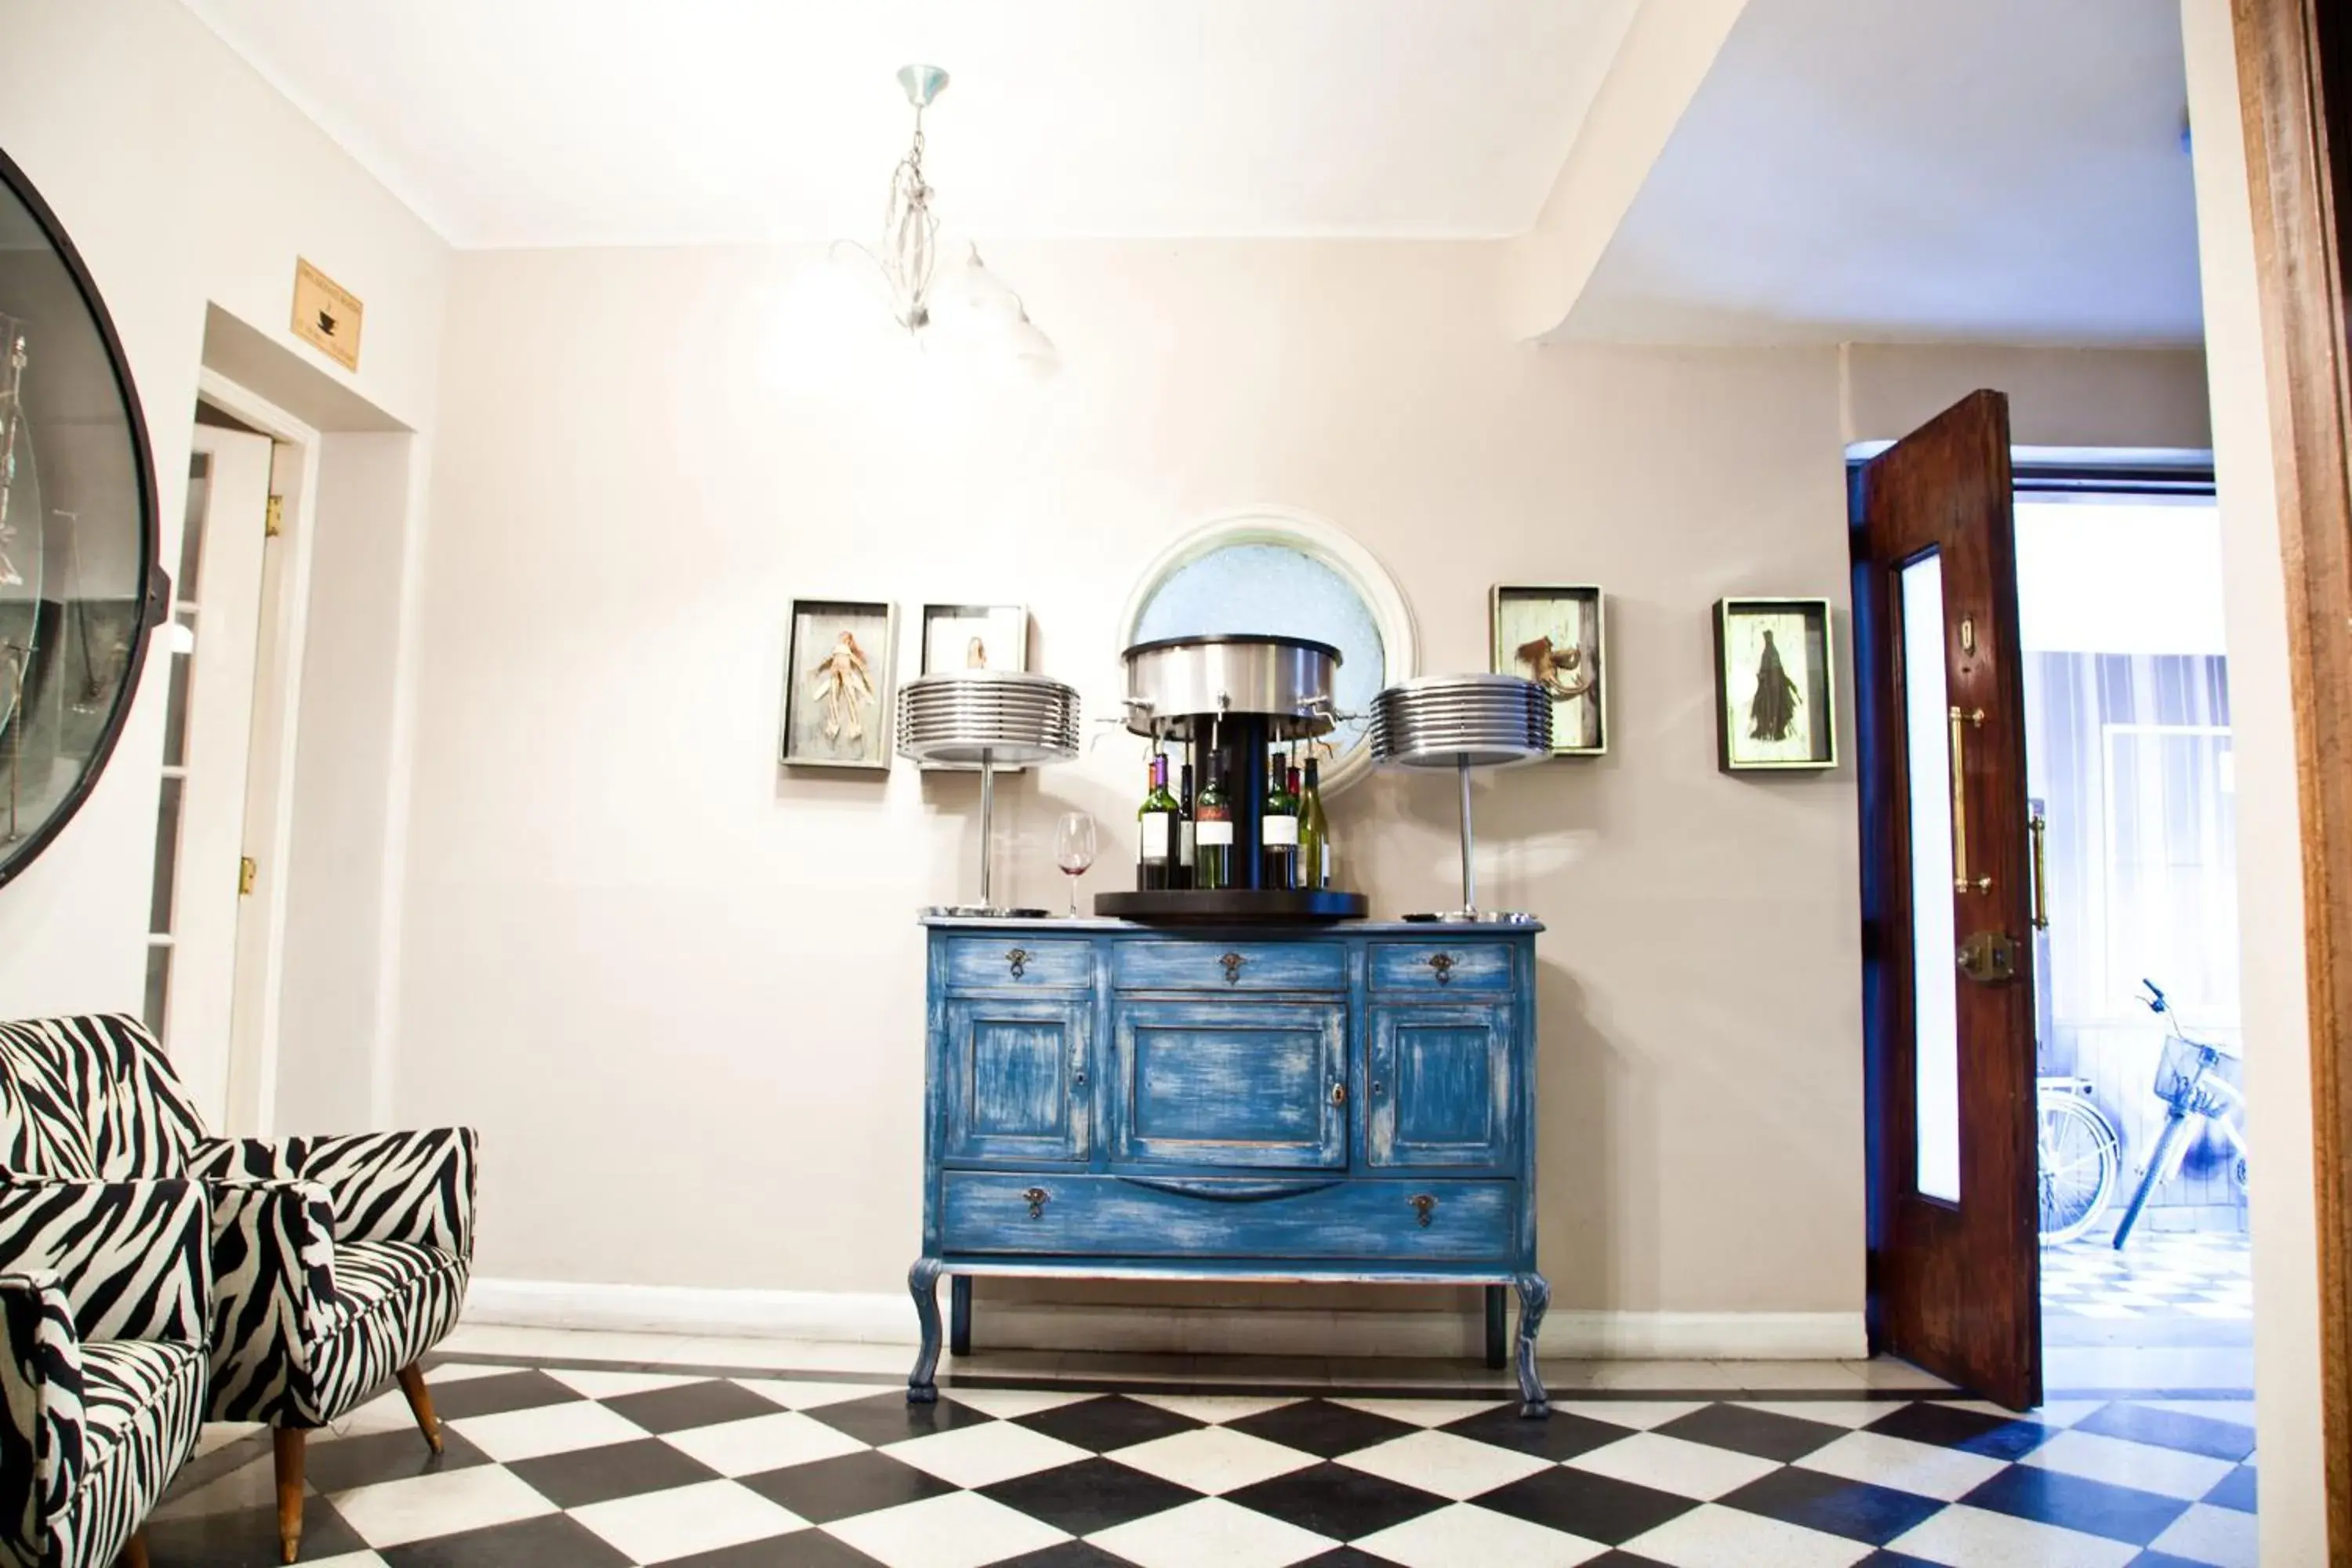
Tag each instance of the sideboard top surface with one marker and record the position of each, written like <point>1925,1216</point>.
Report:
<point>1089,925</point>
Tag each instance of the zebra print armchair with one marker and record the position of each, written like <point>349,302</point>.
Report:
<point>337,1262</point>
<point>103,1290</point>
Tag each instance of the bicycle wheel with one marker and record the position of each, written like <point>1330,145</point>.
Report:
<point>2174,1126</point>
<point>2079,1165</point>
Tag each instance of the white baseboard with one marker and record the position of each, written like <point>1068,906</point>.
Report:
<point>877,1319</point>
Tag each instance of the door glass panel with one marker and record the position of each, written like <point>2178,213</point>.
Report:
<point>1934,974</point>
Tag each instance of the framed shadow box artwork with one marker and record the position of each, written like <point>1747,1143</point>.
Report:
<point>1775,702</point>
<point>1554,636</point>
<point>975,637</point>
<point>837,684</point>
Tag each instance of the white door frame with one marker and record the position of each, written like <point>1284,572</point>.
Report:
<point>259,983</point>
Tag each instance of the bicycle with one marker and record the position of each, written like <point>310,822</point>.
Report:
<point>2188,1083</point>
<point>2081,1156</point>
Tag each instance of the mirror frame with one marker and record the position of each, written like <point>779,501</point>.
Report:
<point>156,599</point>
<point>1318,538</point>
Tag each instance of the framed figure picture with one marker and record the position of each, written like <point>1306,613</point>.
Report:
<point>837,664</point>
<point>1775,702</point>
<point>1553,636</point>
<point>975,637</point>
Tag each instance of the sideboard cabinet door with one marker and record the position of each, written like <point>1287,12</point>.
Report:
<point>1251,1084</point>
<point>1014,1073</point>
<point>1441,1086</point>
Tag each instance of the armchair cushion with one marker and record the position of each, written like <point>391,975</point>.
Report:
<point>398,1301</point>
<point>142,1403</point>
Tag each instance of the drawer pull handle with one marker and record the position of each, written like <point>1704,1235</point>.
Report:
<point>1444,964</point>
<point>1338,1094</point>
<point>1035,1198</point>
<point>1232,963</point>
<point>1422,1205</point>
<point>1018,958</point>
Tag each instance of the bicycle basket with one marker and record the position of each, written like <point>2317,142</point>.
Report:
<point>2185,1074</point>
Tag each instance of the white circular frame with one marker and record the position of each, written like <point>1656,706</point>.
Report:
<point>1321,540</point>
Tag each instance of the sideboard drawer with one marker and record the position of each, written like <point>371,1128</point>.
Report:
<point>1396,1222</point>
<point>1229,967</point>
<point>1440,966</point>
<point>975,962</point>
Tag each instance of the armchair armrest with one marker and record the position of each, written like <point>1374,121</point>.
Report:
<point>40,1411</point>
<point>274,1295</point>
<point>133,1258</point>
<point>243,1159</point>
<point>415,1186</point>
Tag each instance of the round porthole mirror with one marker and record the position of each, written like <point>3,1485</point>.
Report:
<point>1270,570</point>
<point>79,585</point>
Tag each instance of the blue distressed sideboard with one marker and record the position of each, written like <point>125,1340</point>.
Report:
<point>1315,1103</point>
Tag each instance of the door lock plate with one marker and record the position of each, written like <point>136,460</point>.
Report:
<point>1989,957</point>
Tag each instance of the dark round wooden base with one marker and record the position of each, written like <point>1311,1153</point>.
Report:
<point>1234,906</point>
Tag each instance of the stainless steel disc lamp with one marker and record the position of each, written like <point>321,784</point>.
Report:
<point>993,718</point>
<point>1463,721</point>
<point>975,312</point>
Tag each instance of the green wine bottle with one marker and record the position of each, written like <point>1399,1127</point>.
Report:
<point>1314,833</point>
<point>1158,820</point>
<point>1278,865</point>
<point>1212,833</point>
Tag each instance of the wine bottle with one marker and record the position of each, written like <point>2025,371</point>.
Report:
<point>1212,833</point>
<point>1314,833</point>
<point>1279,831</point>
<point>1158,820</point>
<point>1184,853</point>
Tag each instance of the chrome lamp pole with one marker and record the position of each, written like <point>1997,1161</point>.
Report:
<point>1463,721</point>
<point>987,717</point>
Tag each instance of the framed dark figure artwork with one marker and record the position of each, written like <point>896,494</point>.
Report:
<point>1775,686</point>
<point>1554,636</point>
<point>837,684</point>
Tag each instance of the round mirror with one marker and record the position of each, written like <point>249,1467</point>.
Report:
<point>1270,570</point>
<point>79,587</point>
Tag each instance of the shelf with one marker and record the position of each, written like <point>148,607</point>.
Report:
<point>1233,906</point>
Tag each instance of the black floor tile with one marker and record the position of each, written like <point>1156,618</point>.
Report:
<point>614,1470</point>
<point>1114,1421</point>
<point>1832,1505</point>
<point>1077,1554</point>
<point>498,1393</point>
<point>1346,1557</point>
<point>338,1464</point>
<point>556,1540</point>
<point>2152,1558</point>
<point>839,1488</point>
<point>1766,1433</point>
<point>2236,1490</point>
<point>801,1549</point>
<point>1597,1508</point>
<point>1619,1558</point>
<point>2172,1429</point>
<point>1091,1495</point>
<point>2119,1513</point>
<point>1335,1500</point>
<point>246,1536</point>
<point>1320,1427</point>
<point>1885,1559</point>
<point>1994,1436</point>
<point>690,1405</point>
<point>888,1418</point>
<point>1559,1437</point>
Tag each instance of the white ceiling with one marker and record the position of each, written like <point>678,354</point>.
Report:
<point>530,122</point>
<point>2002,169</point>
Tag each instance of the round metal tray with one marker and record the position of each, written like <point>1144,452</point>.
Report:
<point>1234,906</point>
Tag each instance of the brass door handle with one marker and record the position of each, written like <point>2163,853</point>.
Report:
<point>1423,1204</point>
<point>1962,723</point>
<point>1444,964</point>
<point>1338,1094</point>
<point>1232,963</point>
<point>1035,1198</point>
<point>2039,826</point>
<point>1018,957</point>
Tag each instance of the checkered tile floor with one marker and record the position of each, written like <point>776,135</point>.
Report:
<point>551,1465</point>
<point>2188,1274</point>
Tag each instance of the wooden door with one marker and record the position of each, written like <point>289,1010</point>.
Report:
<point>1251,1085</point>
<point>1440,1090</point>
<point>1016,1078</point>
<point>1955,1260</point>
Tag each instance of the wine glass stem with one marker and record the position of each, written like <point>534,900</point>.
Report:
<point>1074,898</point>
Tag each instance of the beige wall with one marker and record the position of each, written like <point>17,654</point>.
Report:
<point>2057,397</point>
<point>184,179</point>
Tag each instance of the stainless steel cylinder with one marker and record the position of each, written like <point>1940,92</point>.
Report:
<point>1461,721</point>
<point>1175,681</point>
<point>1011,718</point>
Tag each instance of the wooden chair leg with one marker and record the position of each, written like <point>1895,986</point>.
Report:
<point>134,1551</point>
<point>290,1449</point>
<point>420,1404</point>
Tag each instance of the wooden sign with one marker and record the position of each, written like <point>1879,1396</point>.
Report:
<point>326,315</point>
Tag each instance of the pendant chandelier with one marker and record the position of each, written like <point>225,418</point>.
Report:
<point>971,312</point>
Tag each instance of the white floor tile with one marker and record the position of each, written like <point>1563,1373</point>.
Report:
<point>2222,1536</point>
<point>598,1385</point>
<point>386,1413</point>
<point>547,1429</point>
<point>1466,1536</point>
<point>1214,1408</point>
<point>253,1485</point>
<point>1713,1536</point>
<point>345,1560</point>
<point>1969,1537</point>
<point>683,1521</point>
<point>1848,1413</point>
<point>1922,1469</point>
<point>799,1395</point>
<point>1635,1414</point>
<point>461,1372</point>
<point>961,1530</point>
<point>761,1443</point>
<point>1213,1459</point>
<point>393,1513</point>
<point>1440,1462</point>
<point>1007,1403</point>
<point>1212,1530</point>
<point>983,1455</point>
<point>1421,1411</point>
<point>2126,1463</point>
<point>1672,1465</point>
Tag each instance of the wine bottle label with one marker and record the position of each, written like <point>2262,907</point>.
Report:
<point>1184,842</point>
<point>1213,833</point>
<point>1281,830</point>
<point>1155,835</point>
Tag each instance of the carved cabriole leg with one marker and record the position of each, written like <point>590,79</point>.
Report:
<point>959,1314</point>
<point>1535,1295</point>
<point>420,1404</point>
<point>289,1444</point>
<point>1498,1325</point>
<point>134,1551</point>
<point>922,1281</point>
